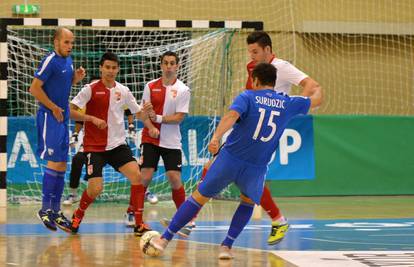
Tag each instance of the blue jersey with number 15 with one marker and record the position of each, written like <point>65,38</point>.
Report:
<point>264,114</point>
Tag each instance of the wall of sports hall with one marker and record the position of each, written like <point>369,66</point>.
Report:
<point>360,141</point>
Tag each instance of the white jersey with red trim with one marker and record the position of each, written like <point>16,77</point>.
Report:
<point>287,74</point>
<point>166,100</point>
<point>108,105</point>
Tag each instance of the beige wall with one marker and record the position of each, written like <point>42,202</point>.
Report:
<point>360,73</point>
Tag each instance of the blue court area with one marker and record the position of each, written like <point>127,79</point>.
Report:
<point>324,235</point>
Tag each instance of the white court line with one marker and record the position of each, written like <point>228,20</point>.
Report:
<point>350,242</point>
<point>346,258</point>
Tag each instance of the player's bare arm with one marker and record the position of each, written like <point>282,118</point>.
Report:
<point>175,118</point>
<point>37,91</point>
<point>78,76</point>
<point>311,87</point>
<point>226,123</point>
<point>78,116</point>
<point>313,90</point>
<point>316,99</point>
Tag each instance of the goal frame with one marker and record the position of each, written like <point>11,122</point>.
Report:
<point>71,22</point>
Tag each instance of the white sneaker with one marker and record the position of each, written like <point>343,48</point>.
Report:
<point>183,232</point>
<point>129,219</point>
<point>151,198</point>
<point>159,243</point>
<point>225,253</point>
<point>70,199</point>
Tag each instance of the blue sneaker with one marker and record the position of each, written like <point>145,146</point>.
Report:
<point>62,222</point>
<point>46,217</point>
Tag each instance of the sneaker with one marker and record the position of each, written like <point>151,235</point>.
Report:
<point>278,232</point>
<point>151,198</point>
<point>159,243</point>
<point>140,230</point>
<point>75,223</point>
<point>70,199</point>
<point>62,222</point>
<point>183,232</point>
<point>225,253</point>
<point>129,219</point>
<point>46,217</point>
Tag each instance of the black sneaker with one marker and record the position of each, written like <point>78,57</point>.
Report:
<point>140,230</point>
<point>62,222</point>
<point>46,217</point>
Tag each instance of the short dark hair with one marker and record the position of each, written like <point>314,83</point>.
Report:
<point>170,53</point>
<point>261,38</point>
<point>266,74</point>
<point>109,56</point>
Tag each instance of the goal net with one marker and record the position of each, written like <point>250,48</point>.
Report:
<point>206,66</point>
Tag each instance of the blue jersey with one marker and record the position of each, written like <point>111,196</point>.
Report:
<point>56,73</point>
<point>264,114</point>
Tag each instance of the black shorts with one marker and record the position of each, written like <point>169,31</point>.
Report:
<point>150,155</point>
<point>96,161</point>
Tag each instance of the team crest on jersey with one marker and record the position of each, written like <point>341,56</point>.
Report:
<point>90,169</point>
<point>50,151</point>
<point>174,93</point>
<point>117,96</point>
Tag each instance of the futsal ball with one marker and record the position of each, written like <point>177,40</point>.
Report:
<point>145,244</point>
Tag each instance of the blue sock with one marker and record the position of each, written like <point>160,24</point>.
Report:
<point>184,214</point>
<point>240,218</point>
<point>48,188</point>
<point>58,191</point>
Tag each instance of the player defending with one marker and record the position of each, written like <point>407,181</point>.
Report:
<point>51,87</point>
<point>105,99</point>
<point>260,50</point>
<point>170,99</point>
<point>263,115</point>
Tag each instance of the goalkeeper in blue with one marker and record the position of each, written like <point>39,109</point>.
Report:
<point>258,118</point>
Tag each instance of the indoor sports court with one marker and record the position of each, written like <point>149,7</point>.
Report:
<point>328,231</point>
<point>341,176</point>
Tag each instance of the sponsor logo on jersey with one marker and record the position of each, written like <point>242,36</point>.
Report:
<point>118,96</point>
<point>174,93</point>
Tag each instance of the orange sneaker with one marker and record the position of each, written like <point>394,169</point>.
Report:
<point>75,223</point>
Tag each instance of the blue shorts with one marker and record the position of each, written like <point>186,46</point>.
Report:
<point>227,169</point>
<point>52,137</point>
